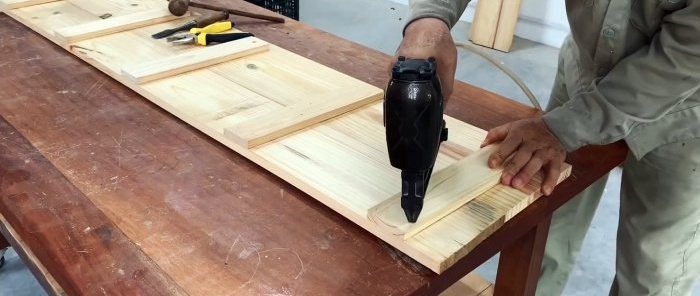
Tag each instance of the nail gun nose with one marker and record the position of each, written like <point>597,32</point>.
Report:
<point>412,193</point>
<point>411,216</point>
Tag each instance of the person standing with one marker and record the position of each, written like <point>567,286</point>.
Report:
<point>630,71</point>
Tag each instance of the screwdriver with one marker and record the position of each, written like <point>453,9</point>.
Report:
<point>200,22</point>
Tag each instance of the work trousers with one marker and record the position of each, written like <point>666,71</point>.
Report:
<point>658,244</point>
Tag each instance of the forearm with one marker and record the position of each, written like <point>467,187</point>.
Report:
<point>449,11</point>
<point>642,87</point>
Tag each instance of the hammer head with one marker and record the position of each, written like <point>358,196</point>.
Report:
<point>178,7</point>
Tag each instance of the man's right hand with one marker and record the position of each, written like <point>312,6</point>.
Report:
<point>430,37</point>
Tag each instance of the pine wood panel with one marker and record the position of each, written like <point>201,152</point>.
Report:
<point>341,162</point>
<point>508,19</point>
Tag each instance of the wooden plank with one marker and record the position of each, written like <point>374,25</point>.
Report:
<point>113,25</point>
<point>285,77</point>
<point>471,285</point>
<point>343,164</point>
<point>507,21</point>
<point>272,125</point>
<point>44,19</point>
<point>485,24</point>
<point>204,57</point>
<point>116,7</point>
<point>6,5</point>
<point>448,190</point>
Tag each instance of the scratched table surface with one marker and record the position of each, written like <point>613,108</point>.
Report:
<point>75,145</point>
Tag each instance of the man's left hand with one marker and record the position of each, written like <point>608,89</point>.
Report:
<point>533,147</point>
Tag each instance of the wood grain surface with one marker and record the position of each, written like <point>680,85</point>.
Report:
<point>118,127</point>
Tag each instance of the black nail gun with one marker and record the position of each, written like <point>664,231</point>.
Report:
<point>415,128</point>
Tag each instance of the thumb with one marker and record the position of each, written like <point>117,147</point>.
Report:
<point>496,135</point>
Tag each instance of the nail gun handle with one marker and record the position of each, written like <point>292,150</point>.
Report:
<point>206,39</point>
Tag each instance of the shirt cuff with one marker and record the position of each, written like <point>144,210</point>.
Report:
<point>448,11</point>
<point>572,125</point>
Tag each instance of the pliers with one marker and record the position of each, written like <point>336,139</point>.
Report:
<point>207,35</point>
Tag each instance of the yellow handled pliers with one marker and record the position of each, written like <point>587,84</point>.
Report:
<point>207,35</point>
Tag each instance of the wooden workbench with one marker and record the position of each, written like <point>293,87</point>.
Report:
<point>66,125</point>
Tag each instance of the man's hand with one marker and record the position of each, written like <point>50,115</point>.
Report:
<point>533,147</point>
<point>430,37</point>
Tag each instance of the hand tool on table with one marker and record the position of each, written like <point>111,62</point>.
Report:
<point>207,35</point>
<point>415,128</point>
<point>199,22</point>
<point>180,7</point>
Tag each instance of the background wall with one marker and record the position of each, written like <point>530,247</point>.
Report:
<point>542,21</point>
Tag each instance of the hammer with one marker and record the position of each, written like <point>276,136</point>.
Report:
<point>180,7</point>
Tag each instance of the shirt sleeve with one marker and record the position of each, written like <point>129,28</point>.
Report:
<point>643,87</point>
<point>449,11</point>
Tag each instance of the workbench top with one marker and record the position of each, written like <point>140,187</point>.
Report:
<point>74,142</point>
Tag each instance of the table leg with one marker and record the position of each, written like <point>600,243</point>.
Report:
<point>3,242</point>
<point>519,264</point>
<point>3,248</point>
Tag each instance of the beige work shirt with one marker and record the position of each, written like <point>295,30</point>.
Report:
<point>632,71</point>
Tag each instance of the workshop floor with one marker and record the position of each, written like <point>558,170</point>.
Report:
<point>377,24</point>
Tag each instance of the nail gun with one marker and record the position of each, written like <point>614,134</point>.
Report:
<point>415,128</point>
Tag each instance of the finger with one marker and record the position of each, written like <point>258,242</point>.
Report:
<point>507,147</point>
<point>495,135</point>
<point>513,166</point>
<point>530,169</point>
<point>551,176</point>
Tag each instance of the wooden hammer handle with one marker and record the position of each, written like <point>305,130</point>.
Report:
<point>238,12</point>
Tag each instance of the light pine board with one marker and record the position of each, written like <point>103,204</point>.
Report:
<point>494,23</point>
<point>448,190</point>
<point>470,285</point>
<point>14,4</point>
<point>189,61</point>
<point>112,25</point>
<point>507,20</point>
<point>485,24</point>
<point>341,161</point>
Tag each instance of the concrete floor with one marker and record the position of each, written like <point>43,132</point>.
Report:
<point>377,24</point>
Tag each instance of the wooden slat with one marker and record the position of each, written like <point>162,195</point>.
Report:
<point>448,190</point>
<point>269,126</point>
<point>485,24</point>
<point>113,25</point>
<point>471,285</point>
<point>206,56</point>
<point>6,5</point>
<point>506,25</point>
